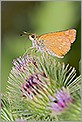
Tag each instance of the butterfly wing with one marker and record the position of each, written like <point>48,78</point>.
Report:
<point>59,43</point>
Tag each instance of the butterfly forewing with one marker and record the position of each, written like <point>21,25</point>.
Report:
<point>71,34</point>
<point>59,43</point>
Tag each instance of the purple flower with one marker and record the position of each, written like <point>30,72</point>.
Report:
<point>32,82</point>
<point>33,86</point>
<point>60,101</point>
<point>21,63</point>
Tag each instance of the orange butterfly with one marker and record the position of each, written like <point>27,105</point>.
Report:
<point>55,43</point>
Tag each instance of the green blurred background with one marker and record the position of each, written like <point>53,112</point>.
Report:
<point>36,17</point>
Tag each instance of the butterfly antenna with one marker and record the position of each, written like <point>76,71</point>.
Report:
<point>24,33</point>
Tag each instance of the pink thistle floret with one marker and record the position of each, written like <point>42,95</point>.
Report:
<point>60,101</point>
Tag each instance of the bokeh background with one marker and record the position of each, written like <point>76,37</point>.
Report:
<point>36,17</point>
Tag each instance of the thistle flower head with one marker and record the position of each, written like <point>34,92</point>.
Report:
<point>39,86</point>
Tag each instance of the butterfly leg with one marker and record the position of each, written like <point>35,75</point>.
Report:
<point>31,48</point>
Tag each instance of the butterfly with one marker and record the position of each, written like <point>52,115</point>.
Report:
<point>54,43</point>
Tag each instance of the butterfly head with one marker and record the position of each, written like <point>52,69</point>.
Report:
<point>35,42</point>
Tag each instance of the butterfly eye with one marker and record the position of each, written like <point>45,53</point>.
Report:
<point>33,36</point>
